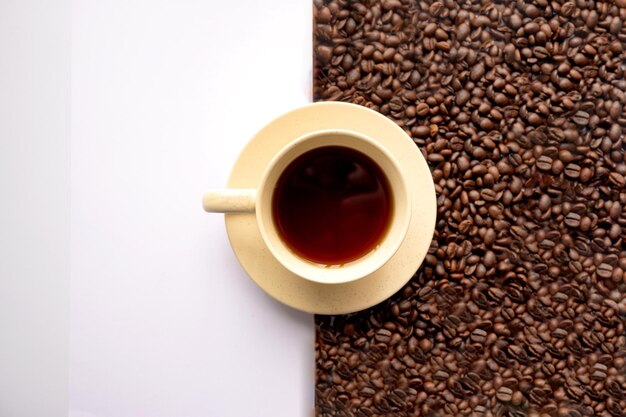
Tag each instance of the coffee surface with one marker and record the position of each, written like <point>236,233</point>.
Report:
<point>332,205</point>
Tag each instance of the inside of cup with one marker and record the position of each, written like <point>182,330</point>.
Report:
<point>388,244</point>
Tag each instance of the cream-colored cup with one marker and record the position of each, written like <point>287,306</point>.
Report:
<point>259,201</point>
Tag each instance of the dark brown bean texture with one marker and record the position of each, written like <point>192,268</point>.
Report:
<point>519,308</point>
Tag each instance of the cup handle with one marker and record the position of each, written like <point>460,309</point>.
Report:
<point>229,200</point>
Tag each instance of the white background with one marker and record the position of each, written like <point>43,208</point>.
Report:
<point>34,207</point>
<point>130,302</point>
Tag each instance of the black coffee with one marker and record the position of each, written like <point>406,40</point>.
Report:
<point>332,205</point>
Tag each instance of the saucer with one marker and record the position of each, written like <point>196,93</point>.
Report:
<point>314,297</point>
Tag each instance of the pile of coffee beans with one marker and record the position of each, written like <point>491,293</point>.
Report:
<point>520,306</point>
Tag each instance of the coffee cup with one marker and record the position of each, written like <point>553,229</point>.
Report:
<point>262,203</point>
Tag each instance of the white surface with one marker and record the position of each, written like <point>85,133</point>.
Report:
<point>35,205</point>
<point>164,321</point>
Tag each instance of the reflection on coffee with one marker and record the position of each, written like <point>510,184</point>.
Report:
<point>332,205</point>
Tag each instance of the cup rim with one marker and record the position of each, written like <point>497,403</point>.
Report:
<point>353,270</point>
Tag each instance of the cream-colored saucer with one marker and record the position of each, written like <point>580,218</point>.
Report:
<point>304,294</point>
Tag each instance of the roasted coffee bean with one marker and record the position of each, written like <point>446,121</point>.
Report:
<point>520,305</point>
<point>477,71</point>
<point>422,131</point>
<point>572,219</point>
<point>462,97</point>
<point>504,394</point>
<point>617,179</point>
<point>604,271</point>
<point>572,170</point>
<point>544,163</point>
<point>478,336</point>
<point>581,118</point>
<point>383,336</point>
<point>422,109</point>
